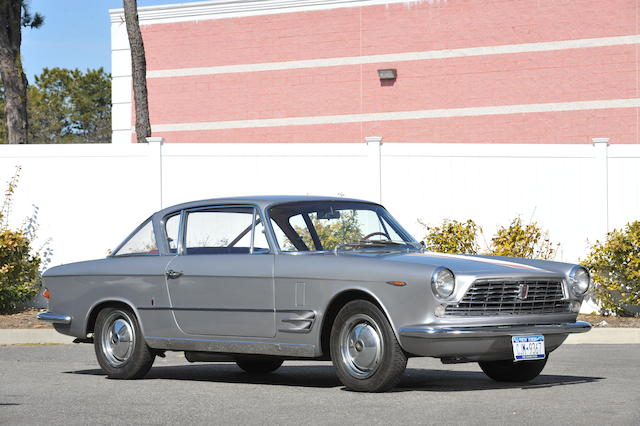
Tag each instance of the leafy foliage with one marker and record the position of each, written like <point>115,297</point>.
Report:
<point>28,19</point>
<point>332,233</point>
<point>67,106</point>
<point>19,266</point>
<point>453,237</point>
<point>519,240</point>
<point>615,269</point>
<point>516,240</point>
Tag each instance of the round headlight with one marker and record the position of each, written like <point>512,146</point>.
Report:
<point>580,280</point>
<point>443,282</point>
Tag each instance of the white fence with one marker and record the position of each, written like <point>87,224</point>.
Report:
<point>91,196</point>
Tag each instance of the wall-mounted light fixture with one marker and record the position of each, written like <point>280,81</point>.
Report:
<point>388,74</point>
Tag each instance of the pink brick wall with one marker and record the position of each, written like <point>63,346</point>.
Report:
<point>581,74</point>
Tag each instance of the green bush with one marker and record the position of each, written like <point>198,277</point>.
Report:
<point>19,266</point>
<point>519,240</point>
<point>19,274</point>
<point>615,269</point>
<point>516,240</point>
<point>453,237</point>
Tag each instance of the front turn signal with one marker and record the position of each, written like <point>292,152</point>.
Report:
<point>46,293</point>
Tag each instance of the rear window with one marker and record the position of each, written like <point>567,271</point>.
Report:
<point>142,242</point>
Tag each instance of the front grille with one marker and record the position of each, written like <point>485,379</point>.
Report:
<point>501,297</point>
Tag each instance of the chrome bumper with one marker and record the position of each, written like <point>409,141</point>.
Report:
<point>54,318</point>
<point>428,332</point>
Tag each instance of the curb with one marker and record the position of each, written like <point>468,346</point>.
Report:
<point>45,336</point>
<point>597,336</point>
<point>606,336</point>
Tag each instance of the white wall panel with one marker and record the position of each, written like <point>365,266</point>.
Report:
<point>92,196</point>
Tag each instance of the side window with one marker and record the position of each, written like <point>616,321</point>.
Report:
<point>223,231</point>
<point>142,242</point>
<point>172,227</point>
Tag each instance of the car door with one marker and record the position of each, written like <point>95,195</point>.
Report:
<point>221,282</point>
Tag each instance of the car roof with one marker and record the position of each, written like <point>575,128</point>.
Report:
<point>262,201</point>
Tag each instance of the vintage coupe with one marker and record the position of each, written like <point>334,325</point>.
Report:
<point>260,280</point>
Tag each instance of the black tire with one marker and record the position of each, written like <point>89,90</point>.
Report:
<point>256,364</point>
<point>123,354</point>
<point>512,371</point>
<point>364,349</point>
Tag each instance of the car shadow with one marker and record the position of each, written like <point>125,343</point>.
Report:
<point>324,376</point>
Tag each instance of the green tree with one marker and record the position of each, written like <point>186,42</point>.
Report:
<point>615,269</point>
<point>90,94</point>
<point>14,15</point>
<point>69,106</point>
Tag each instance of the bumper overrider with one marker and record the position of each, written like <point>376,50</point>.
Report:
<point>481,343</point>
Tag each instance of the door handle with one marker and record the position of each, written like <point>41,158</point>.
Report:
<point>172,275</point>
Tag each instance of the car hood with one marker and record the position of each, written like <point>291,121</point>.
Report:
<point>479,265</point>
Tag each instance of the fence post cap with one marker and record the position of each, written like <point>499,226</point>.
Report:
<point>155,139</point>
<point>600,140</point>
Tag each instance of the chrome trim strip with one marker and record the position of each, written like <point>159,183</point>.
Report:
<point>232,346</point>
<point>54,318</point>
<point>428,332</point>
<point>193,308</point>
<point>225,341</point>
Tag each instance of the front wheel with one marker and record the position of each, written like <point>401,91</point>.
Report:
<point>512,371</point>
<point>364,349</point>
<point>120,348</point>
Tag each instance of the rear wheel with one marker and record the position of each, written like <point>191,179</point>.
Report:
<point>120,348</point>
<point>511,371</point>
<point>364,349</point>
<point>258,364</point>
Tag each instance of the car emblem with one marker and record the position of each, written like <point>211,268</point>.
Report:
<point>523,291</point>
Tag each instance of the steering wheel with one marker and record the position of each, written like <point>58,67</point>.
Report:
<point>384,234</point>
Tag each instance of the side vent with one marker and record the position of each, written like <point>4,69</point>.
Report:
<point>294,321</point>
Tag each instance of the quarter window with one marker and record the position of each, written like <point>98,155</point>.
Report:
<point>142,242</point>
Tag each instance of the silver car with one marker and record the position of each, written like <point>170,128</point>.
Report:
<point>261,280</point>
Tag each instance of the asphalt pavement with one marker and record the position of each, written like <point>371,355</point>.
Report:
<point>582,384</point>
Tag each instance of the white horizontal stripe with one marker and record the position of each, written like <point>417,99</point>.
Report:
<point>401,115</point>
<point>400,57</point>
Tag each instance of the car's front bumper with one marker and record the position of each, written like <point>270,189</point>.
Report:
<point>481,343</point>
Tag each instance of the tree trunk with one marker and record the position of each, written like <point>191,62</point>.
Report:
<point>13,79</point>
<point>139,70</point>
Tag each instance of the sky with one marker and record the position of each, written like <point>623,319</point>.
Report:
<point>75,34</point>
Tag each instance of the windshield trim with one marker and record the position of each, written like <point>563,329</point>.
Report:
<point>410,242</point>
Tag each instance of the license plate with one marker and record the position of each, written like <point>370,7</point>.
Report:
<point>527,347</point>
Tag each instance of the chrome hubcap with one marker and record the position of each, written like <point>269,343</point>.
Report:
<point>361,346</point>
<point>118,339</point>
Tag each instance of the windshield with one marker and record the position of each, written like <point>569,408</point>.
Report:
<point>337,225</point>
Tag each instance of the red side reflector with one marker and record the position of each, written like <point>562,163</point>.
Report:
<point>397,283</point>
<point>46,293</point>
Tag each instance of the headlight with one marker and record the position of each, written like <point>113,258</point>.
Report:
<point>579,280</point>
<point>443,282</point>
